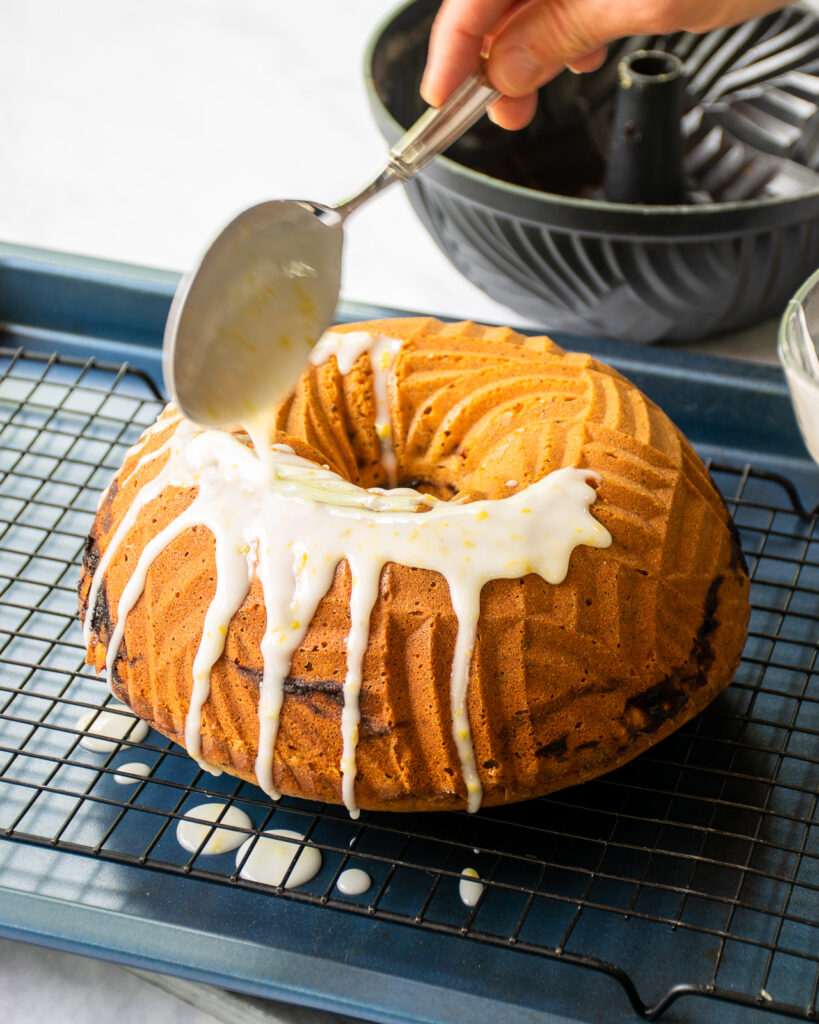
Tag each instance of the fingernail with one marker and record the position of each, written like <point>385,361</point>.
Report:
<point>517,70</point>
<point>430,94</point>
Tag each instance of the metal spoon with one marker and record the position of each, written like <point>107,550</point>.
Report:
<point>242,322</point>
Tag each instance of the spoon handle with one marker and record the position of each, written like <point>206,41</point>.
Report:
<point>434,131</point>
<point>439,127</point>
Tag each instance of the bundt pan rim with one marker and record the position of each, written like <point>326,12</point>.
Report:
<point>552,209</point>
<point>698,673</point>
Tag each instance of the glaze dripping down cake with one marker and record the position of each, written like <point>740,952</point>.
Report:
<point>471,568</point>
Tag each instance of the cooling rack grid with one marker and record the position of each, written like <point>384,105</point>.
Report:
<point>694,870</point>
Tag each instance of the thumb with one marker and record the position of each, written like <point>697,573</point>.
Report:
<point>541,37</point>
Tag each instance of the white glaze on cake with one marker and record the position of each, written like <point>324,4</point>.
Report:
<point>168,418</point>
<point>291,522</point>
<point>382,351</point>
<point>166,424</point>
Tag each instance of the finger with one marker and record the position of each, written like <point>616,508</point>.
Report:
<point>539,40</point>
<point>591,62</point>
<point>540,37</point>
<point>513,113</point>
<point>456,43</point>
<point>706,15</point>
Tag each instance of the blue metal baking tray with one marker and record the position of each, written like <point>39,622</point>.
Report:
<point>687,882</point>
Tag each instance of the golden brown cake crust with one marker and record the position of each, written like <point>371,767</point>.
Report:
<point>566,681</point>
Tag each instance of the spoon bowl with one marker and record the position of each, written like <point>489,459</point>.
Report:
<point>265,290</point>
<point>242,322</point>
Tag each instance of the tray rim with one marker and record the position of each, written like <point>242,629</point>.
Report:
<point>72,279</point>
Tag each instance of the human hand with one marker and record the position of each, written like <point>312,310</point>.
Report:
<point>528,42</point>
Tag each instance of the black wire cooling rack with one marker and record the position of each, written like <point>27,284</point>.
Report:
<point>692,870</point>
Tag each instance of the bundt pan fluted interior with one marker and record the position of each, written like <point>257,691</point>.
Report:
<point>527,216</point>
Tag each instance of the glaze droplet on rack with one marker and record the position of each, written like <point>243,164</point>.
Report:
<point>292,525</point>
<point>197,826</point>
<point>266,859</point>
<point>470,887</point>
<point>131,773</point>
<point>353,882</point>
<point>107,730</point>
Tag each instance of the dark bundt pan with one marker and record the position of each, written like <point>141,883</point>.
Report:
<point>524,215</point>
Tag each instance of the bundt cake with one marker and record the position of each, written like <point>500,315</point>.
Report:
<point>470,567</point>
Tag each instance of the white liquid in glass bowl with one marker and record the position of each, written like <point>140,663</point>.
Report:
<point>798,355</point>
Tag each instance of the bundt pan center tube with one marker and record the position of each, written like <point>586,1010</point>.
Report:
<point>645,154</point>
<point>483,569</point>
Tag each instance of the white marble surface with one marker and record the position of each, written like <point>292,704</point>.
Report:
<point>45,985</point>
<point>132,129</point>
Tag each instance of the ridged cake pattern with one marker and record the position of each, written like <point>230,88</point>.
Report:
<point>566,681</point>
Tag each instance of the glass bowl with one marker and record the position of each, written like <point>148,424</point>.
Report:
<point>796,348</point>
